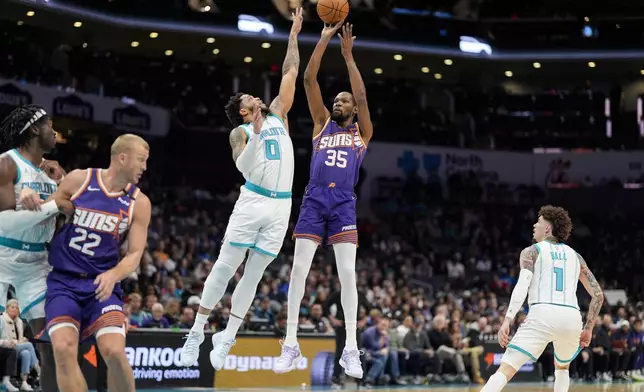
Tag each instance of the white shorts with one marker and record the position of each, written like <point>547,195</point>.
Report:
<point>546,323</point>
<point>27,273</point>
<point>258,222</point>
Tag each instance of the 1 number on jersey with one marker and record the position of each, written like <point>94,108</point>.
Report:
<point>336,158</point>
<point>85,242</point>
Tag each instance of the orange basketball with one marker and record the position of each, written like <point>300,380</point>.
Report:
<point>333,11</point>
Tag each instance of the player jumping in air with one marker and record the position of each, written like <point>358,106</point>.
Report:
<point>263,153</point>
<point>84,298</point>
<point>328,212</point>
<point>550,271</point>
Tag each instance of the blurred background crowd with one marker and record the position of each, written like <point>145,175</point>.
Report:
<point>438,257</point>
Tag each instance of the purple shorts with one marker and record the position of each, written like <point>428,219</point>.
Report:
<point>328,215</point>
<point>71,299</point>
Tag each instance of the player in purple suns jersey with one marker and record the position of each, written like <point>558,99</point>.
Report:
<point>84,299</point>
<point>328,212</point>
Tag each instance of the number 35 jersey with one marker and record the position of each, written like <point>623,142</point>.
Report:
<point>337,155</point>
<point>89,243</point>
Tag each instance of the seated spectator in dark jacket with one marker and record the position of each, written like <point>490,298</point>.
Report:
<point>158,320</point>
<point>187,319</point>
<point>620,353</point>
<point>375,341</point>
<point>422,357</point>
<point>601,347</point>
<point>441,341</point>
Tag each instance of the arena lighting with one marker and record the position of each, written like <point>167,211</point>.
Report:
<point>378,71</point>
<point>536,65</point>
<point>398,57</point>
<point>508,74</point>
<point>215,51</point>
<point>266,45</point>
<point>20,23</point>
<point>448,62</point>
<point>252,24</point>
<point>210,40</point>
<point>473,45</point>
<point>424,70</point>
<point>154,35</point>
<point>78,24</point>
<point>84,45</point>
<point>641,71</point>
<point>592,64</point>
<point>134,44</point>
<point>30,13</point>
<point>248,59</point>
<point>438,76</point>
<point>169,52</point>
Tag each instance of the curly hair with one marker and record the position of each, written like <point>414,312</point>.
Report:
<point>232,110</point>
<point>12,130</point>
<point>560,221</point>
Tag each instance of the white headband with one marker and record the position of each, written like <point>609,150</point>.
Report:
<point>39,114</point>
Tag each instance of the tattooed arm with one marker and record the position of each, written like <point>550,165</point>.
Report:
<point>283,102</point>
<point>597,295</point>
<point>527,259</point>
<point>244,149</point>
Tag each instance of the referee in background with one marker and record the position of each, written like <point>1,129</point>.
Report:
<point>333,310</point>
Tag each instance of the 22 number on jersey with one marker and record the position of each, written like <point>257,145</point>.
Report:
<point>85,242</point>
<point>337,158</point>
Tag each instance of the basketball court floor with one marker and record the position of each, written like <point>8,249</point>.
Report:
<point>517,387</point>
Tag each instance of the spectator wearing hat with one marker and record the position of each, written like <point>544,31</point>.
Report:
<point>620,355</point>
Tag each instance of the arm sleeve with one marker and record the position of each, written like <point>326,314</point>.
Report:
<point>12,221</point>
<point>519,293</point>
<point>246,159</point>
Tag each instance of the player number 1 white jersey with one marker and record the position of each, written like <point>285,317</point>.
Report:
<point>556,276</point>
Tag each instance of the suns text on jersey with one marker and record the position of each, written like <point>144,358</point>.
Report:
<point>337,140</point>
<point>96,220</point>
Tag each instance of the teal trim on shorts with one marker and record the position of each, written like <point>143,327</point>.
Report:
<point>21,245</point>
<point>522,351</point>
<point>551,303</point>
<point>260,250</point>
<point>265,192</point>
<point>241,245</point>
<point>569,360</point>
<point>33,303</point>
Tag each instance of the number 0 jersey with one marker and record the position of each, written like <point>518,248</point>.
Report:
<point>337,156</point>
<point>89,244</point>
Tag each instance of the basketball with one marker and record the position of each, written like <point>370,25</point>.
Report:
<point>333,11</point>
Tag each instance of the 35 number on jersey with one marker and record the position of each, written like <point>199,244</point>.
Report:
<point>337,158</point>
<point>85,242</point>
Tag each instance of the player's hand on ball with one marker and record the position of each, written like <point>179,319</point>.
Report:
<point>504,335</point>
<point>297,21</point>
<point>105,285</point>
<point>330,29</point>
<point>258,120</point>
<point>586,336</point>
<point>346,40</point>
<point>29,199</point>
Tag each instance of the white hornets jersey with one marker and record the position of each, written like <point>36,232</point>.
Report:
<point>556,275</point>
<point>33,239</point>
<point>272,173</point>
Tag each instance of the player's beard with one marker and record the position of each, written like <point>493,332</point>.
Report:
<point>265,110</point>
<point>339,118</point>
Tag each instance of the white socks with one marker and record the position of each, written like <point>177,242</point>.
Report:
<point>495,383</point>
<point>200,321</point>
<point>302,260</point>
<point>245,291</point>
<point>562,380</point>
<point>345,259</point>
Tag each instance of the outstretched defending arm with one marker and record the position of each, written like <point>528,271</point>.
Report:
<point>319,112</point>
<point>357,84</point>
<point>527,259</point>
<point>283,102</point>
<point>597,295</point>
<point>12,221</point>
